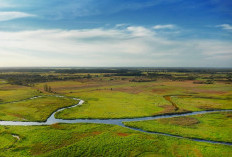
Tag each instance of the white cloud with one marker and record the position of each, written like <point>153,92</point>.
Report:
<point>214,47</point>
<point>140,31</point>
<point>225,26</point>
<point>132,46</point>
<point>10,15</point>
<point>170,26</point>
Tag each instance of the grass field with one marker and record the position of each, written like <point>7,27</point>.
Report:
<point>38,109</point>
<point>145,99</point>
<point>108,96</point>
<point>2,81</point>
<point>112,104</point>
<point>98,139</point>
<point>212,126</point>
<point>9,93</point>
<point>200,104</point>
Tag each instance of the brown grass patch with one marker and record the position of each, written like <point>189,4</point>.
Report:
<point>184,84</point>
<point>229,115</point>
<point>122,134</point>
<point>168,98</point>
<point>37,149</point>
<point>130,90</point>
<point>56,126</point>
<point>206,107</point>
<point>85,85</point>
<point>159,90</point>
<point>182,121</point>
<point>11,87</point>
<point>16,115</point>
<point>168,108</point>
<point>209,91</point>
<point>197,152</point>
<point>96,132</point>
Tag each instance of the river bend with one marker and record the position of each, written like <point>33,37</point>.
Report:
<point>53,120</point>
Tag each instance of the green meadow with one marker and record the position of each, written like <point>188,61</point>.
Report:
<point>38,109</point>
<point>9,93</point>
<point>98,140</point>
<point>128,100</point>
<point>201,104</point>
<point>115,94</point>
<point>211,126</point>
<point>114,104</point>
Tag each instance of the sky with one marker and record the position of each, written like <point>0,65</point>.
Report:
<point>115,33</point>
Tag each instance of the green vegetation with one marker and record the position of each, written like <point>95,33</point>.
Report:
<point>113,104</point>
<point>138,99</point>
<point>213,126</point>
<point>38,109</point>
<point>47,88</point>
<point>2,81</point>
<point>201,104</point>
<point>9,93</point>
<point>98,140</point>
<point>115,93</point>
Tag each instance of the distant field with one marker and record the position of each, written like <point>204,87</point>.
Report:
<point>213,126</point>
<point>60,85</point>
<point>38,109</point>
<point>146,99</point>
<point>118,97</point>
<point>9,93</point>
<point>66,87</point>
<point>2,81</point>
<point>89,140</point>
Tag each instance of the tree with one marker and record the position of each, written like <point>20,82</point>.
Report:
<point>49,89</point>
<point>46,87</point>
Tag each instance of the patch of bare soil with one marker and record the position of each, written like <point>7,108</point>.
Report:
<point>122,134</point>
<point>182,121</point>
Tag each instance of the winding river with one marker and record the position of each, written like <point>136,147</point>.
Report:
<point>53,120</point>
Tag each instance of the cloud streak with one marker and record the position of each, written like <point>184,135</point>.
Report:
<point>132,46</point>
<point>225,26</point>
<point>10,15</point>
<point>170,26</point>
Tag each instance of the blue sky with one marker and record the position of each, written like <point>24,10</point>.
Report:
<point>154,33</point>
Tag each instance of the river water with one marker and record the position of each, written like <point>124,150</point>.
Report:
<point>53,120</point>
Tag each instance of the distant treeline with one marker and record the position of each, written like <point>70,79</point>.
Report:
<point>188,70</point>
<point>70,71</point>
<point>155,75</point>
<point>30,80</point>
<point>116,70</point>
<point>28,77</point>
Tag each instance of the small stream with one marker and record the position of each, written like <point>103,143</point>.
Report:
<point>53,120</point>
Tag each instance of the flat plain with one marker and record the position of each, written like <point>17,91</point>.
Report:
<point>114,95</point>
